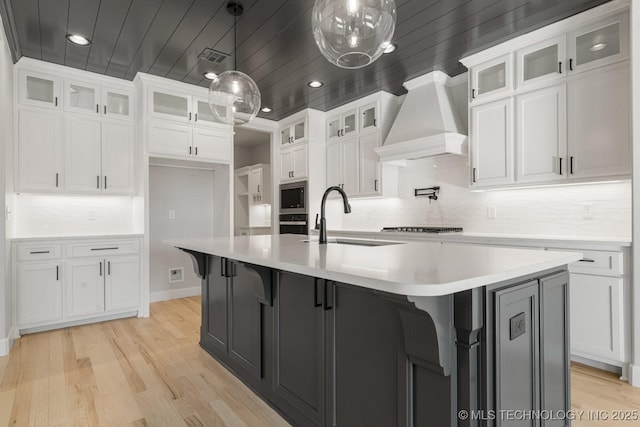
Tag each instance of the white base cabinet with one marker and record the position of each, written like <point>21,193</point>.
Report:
<point>58,282</point>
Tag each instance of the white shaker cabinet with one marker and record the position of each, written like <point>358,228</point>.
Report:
<point>294,132</point>
<point>293,163</point>
<point>169,138</point>
<point>39,151</point>
<point>541,61</point>
<point>84,288</point>
<point>491,146</point>
<point>121,280</point>
<point>342,125</point>
<point>39,89</point>
<point>599,113</point>
<point>38,292</point>
<point>370,167</point>
<point>343,165</point>
<point>541,135</point>
<point>212,145</point>
<point>118,158</point>
<point>491,78</point>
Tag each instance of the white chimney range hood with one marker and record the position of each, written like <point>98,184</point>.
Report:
<point>426,125</point>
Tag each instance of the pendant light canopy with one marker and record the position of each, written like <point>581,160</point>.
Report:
<point>353,33</point>
<point>234,98</point>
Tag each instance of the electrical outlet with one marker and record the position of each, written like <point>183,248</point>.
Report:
<point>176,275</point>
<point>588,211</point>
<point>172,214</point>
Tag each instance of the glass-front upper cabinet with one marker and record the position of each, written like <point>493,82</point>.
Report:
<point>117,103</point>
<point>599,44</point>
<point>40,90</point>
<point>541,61</point>
<point>173,106</point>
<point>81,97</point>
<point>369,116</point>
<point>204,115</point>
<point>491,78</point>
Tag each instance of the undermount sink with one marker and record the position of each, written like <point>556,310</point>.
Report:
<point>357,242</point>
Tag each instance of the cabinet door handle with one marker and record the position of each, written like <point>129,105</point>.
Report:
<point>105,109</point>
<point>560,159</point>
<point>375,122</point>
<point>317,286</point>
<point>189,116</point>
<point>109,268</point>
<point>39,252</point>
<point>57,272</point>
<point>55,101</point>
<point>570,64</point>
<point>473,175</point>
<point>375,185</point>
<point>105,182</point>
<point>97,108</point>
<point>56,179</point>
<point>587,260</point>
<point>258,188</point>
<point>100,268</point>
<point>473,94</point>
<point>196,117</point>
<point>560,67</point>
<point>223,267</point>
<point>189,150</point>
<point>196,151</point>
<point>115,248</point>
<point>328,295</point>
<point>98,182</point>
<point>571,165</point>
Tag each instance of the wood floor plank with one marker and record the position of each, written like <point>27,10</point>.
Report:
<point>152,372</point>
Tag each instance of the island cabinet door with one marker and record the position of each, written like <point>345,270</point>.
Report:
<point>245,318</point>
<point>516,351</point>
<point>213,333</point>
<point>367,368</point>
<point>299,346</point>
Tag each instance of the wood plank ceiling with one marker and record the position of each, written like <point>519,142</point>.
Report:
<point>275,45</point>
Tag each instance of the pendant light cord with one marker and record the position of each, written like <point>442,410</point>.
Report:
<point>235,43</point>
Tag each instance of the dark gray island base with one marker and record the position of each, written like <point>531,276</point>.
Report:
<point>324,353</point>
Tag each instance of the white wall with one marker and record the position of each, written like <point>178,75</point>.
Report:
<point>248,156</point>
<point>189,193</point>
<point>6,142</point>
<point>539,211</point>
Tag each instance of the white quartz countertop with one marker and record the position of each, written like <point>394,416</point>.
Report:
<point>409,268</point>
<point>76,237</point>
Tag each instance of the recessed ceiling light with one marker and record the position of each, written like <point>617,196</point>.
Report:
<point>598,46</point>
<point>210,75</point>
<point>315,83</point>
<point>390,47</point>
<point>266,110</point>
<point>78,39</point>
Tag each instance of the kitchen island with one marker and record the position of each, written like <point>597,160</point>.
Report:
<point>383,333</point>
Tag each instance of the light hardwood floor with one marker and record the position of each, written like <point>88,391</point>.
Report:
<point>152,372</point>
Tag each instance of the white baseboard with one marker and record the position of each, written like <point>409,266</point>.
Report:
<point>174,294</point>
<point>7,343</point>
<point>634,375</point>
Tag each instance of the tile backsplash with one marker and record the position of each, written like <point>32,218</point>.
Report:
<point>596,210</point>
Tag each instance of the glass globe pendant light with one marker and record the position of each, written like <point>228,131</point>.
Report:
<point>353,33</point>
<point>234,98</point>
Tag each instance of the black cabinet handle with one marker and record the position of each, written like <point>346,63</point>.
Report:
<point>258,188</point>
<point>190,150</point>
<point>375,122</point>
<point>101,268</point>
<point>109,268</point>
<point>196,117</point>
<point>473,175</point>
<point>105,109</point>
<point>375,185</point>
<point>105,182</point>
<point>39,252</point>
<point>223,267</point>
<point>57,272</point>
<point>189,116</point>
<point>571,165</point>
<point>98,181</point>
<point>560,67</point>
<point>196,151</point>
<point>105,249</point>
<point>328,295</point>
<point>56,179</point>
<point>55,102</point>
<point>316,287</point>
<point>560,165</point>
<point>473,94</point>
<point>587,260</point>
<point>97,108</point>
<point>570,64</point>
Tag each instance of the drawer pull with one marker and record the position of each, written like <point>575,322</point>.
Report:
<point>39,252</point>
<point>587,260</point>
<point>105,249</point>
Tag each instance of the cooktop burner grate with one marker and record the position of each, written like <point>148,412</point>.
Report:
<point>424,229</point>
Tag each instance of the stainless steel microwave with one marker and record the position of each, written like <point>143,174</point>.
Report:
<point>293,197</point>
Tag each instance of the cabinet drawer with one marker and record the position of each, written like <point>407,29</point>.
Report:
<point>116,247</point>
<point>596,262</point>
<point>37,251</point>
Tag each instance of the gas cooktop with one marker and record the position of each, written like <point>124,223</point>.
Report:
<point>424,229</point>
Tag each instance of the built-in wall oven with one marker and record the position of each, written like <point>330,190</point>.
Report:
<point>293,208</point>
